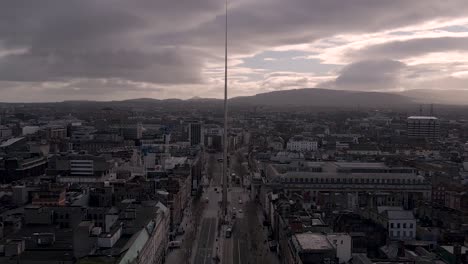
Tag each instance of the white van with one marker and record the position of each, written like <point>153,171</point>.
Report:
<point>175,244</point>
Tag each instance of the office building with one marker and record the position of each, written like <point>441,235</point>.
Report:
<point>79,168</point>
<point>196,133</point>
<point>423,127</point>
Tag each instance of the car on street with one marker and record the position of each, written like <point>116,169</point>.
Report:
<point>228,232</point>
<point>174,244</point>
<point>240,201</point>
<point>240,211</point>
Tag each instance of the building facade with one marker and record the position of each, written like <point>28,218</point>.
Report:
<point>301,144</point>
<point>196,136</point>
<point>423,127</point>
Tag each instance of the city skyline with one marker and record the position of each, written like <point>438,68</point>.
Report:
<point>112,51</point>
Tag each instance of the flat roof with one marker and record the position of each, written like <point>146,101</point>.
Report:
<point>313,241</point>
<point>373,165</point>
<point>423,117</point>
<point>400,215</point>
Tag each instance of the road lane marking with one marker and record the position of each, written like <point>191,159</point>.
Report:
<point>207,241</point>
<point>238,252</point>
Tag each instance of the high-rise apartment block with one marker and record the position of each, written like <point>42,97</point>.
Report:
<point>427,127</point>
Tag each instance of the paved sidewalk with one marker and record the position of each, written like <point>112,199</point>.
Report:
<point>183,254</point>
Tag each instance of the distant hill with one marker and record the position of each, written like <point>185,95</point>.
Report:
<point>454,97</point>
<point>310,97</point>
<point>203,100</point>
<point>324,98</point>
<point>140,100</point>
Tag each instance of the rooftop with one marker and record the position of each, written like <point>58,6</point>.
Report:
<point>312,241</point>
<point>400,215</point>
<point>423,117</point>
<point>10,142</point>
<point>373,165</point>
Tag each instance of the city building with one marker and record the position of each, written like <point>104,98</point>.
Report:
<point>49,195</point>
<point>21,166</point>
<point>56,132</point>
<point>301,144</point>
<point>79,168</point>
<point>349,185</point>
<point>343,244</point>
<point>401,224</point>
<point>196,133</point>
<point>311,248</point>
<point>423,127</point>
<point>5,132</point>
<point>28,130</point>
<point>131,131</point>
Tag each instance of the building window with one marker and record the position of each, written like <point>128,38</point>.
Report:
<point>411,225</point>
<point>398,225</point>
<point>404,225</point>
<point>404,233</point>
<point>411,233</point>
<point>392,225</point>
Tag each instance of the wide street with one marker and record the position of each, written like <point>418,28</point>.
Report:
<point>248,242</point>
<point>207,239</point>
<point>207,236</point>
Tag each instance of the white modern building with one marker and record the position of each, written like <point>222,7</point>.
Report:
<point>28,130</point>
<point>301,144</point>
<point>342,243</point>
<point>401,225</point>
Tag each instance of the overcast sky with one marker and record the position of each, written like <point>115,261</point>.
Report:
<point>53,50</point>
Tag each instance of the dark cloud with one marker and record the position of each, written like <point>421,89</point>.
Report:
<point>98,39</point>
<point>169,65</point>
<point>368,75</point>
<point>170,42</point>
<point>262,24</point>
<point>413,47</point>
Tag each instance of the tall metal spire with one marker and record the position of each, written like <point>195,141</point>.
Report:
<point>225,134</point>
